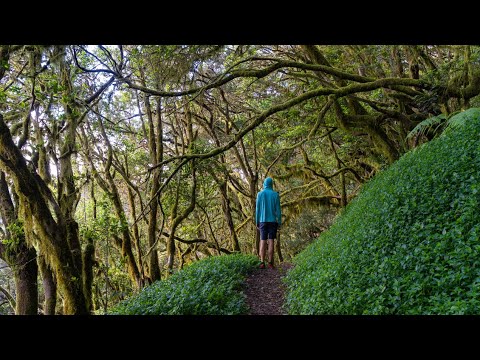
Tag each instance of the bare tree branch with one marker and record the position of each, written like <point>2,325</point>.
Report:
<point>9,297</point>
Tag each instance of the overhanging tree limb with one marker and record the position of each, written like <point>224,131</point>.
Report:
<point>259,73</point>
<point>309,136</point>
<point>339,92</point>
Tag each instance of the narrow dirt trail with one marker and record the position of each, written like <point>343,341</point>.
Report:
<point>265,290</point>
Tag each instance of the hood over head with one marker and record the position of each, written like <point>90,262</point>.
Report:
<point>268,183</point>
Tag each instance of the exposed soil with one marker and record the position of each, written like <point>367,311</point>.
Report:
<point>265,290</point>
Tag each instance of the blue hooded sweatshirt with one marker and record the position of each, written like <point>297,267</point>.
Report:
<point>268,204</point>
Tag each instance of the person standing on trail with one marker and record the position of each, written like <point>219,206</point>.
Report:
<point>268,217</point>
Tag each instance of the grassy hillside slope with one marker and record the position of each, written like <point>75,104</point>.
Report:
<point>409,243</point>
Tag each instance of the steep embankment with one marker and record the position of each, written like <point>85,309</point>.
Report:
<point>408,244</point>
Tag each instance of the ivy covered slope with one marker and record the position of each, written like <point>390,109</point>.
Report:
<point>409,243</point>
<point>208,287</point>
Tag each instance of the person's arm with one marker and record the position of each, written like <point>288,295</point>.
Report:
<point>257,211</point>
<point>279,211</point>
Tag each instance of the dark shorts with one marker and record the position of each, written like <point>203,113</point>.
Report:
<point>268,230</point>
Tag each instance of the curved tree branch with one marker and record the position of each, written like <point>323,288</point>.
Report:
<point>340,92</point>
<point>11,300</point>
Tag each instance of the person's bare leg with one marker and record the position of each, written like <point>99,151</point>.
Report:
<point>270,250</point>
<point>262,250</point>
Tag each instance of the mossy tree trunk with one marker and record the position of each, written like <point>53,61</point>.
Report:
<point>155,147</point>
<point>226,208</point>
<point>249,165</point>
<point>67,191</point>
<point>52,232</point>
<point>88,260</point>
<point>26,286</point>
<point>17,252</point>
<point>20,256</point>
<point>126,244</point>
<point>222,181</point>
<point>187,142</point>
<point>178,218</point>
<point>253,185</point>
<point>227,211</point>
<point>136,233</point>
<point>253,180</point>
<point>109,186</point>
<point>46,273</point>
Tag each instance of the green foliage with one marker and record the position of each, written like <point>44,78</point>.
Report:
<point>462,117</point>
<point>441,123</point>
<point>17,238</point>
<point>408,244</point>
<point>208,287</point>
<point>299,232</point>
<point>109,262</point>
<point>432,124</point>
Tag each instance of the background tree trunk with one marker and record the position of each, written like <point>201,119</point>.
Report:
<point>49,287</point>
<point>278,248</point>
<point>26,272</point>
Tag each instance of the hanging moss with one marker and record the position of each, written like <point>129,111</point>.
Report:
<point>52,239</point>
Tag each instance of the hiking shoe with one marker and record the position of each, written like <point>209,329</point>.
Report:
<point>262,265</point>
<point>270,266</point>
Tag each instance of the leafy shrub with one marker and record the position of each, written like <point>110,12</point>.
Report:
<point>409,243</point>
<point>212,286</point>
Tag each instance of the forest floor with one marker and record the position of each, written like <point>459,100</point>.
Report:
<point>265,290</point>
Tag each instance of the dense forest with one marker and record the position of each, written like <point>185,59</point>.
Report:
<point>121,165</point>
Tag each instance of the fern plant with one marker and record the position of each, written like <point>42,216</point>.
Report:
<point>440,124</point>
<point>433,124</point>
